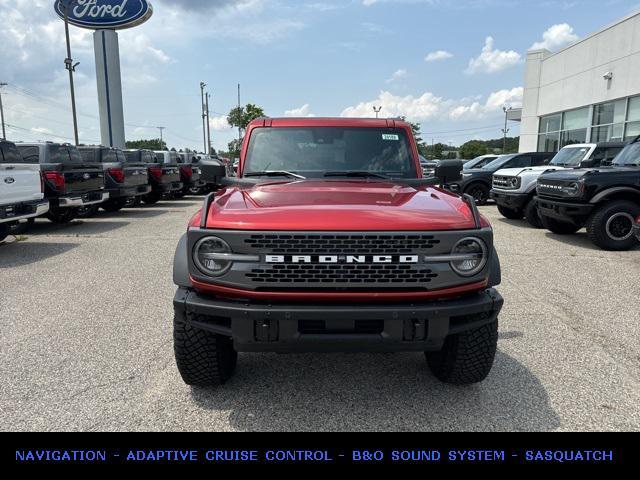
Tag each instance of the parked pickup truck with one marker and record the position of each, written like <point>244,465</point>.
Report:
<point>514,189</point>
<point>69,183</point>
<point>21,195</point>
<point>124,181</point>
<point>477,181</point>
<point>331,240</point>
<point>163,180</point>
<point>190,174</point>
<point>605,200</point>
<point>169,161</point>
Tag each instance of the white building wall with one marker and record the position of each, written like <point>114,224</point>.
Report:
<point>573,77</point>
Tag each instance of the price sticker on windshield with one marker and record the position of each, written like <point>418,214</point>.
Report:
<point>391,138</point>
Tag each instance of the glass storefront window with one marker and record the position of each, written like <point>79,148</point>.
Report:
<point>633,113</point>
<point>551,123</point>
<point>608,133</point>
<point>576,119</point>
<point>607,113</point>
<point>549,142</point>
<point>633,130</point>
<point>572,137</point>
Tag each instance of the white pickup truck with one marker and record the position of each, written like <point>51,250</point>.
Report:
<point>514,189</point>
<point>21,190</point>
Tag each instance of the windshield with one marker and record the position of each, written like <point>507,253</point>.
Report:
<point>629,157</point>
<point>478,162</point>
<point>316,152</point>
<point>498,162</point>
<point>570,157</point>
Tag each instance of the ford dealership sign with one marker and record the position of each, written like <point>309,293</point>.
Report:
<point>105,14</point>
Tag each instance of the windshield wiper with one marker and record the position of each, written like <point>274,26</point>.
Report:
<point>275,173</point>
<point>356,175</point>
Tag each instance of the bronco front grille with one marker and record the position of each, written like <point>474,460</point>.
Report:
<point>342,274</point>
<point>342,244</point>
<point>502,182</point>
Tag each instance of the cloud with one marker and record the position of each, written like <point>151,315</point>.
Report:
<point>494,103</point>
<point>556,37</point>
<point>420,108</point>
<point>492,60</point>
<point>437,56</point>
<point>303,111</point>
<point>397,75</point>
<point>219,123</point>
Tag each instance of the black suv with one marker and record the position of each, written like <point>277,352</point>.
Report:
<point>123,180</point>
<point>606,200</point>
<point>477,181</point>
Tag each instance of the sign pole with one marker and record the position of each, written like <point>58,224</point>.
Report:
<point>69,65</point>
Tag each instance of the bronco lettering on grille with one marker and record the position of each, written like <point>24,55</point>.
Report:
<point>343,259</point>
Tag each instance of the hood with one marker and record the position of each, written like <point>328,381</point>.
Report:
<point>325,205</point>
<point>514,172</point>
<point>576,174</point>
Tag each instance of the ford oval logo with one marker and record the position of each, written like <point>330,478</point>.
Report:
<point>9,180</point>
<point>86,176</point>
<point>109,14</point>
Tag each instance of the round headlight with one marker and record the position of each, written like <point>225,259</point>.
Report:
<point>514,182</point>
<point>474,252</point>
<point>207,256</point>
<point>573,189</point>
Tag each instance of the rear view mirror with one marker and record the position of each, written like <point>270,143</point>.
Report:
<point>448,171</point>
<point>213,171</point>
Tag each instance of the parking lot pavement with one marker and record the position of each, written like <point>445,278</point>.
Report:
<point>85,323</point>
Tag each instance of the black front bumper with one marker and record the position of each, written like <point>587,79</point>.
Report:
<point>514,201</point>
<point>575,213</point>
<point>262,327</point>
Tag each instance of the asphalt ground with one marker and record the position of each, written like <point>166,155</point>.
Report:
<point>86,344</point>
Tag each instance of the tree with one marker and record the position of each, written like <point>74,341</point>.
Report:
<point>240,117</point>
<point>473,149</point>
<point>154,144</point>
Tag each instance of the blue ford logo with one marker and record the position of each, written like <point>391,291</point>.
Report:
<point>108,14</point>
<point>9,180</point>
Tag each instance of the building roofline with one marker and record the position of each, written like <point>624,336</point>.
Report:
<point>588,37</point>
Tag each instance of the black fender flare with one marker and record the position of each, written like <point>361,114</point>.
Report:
<point>181,264</point>
<point>495,270</point>
<point>612,191</point>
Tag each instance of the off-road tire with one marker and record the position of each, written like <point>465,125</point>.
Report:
<point>598,225</point>
<point>532,215</point>
<point>204,359</point>
<point>558,227</point>
<point>62,216</point>
<point>4,231</point>
<point>466,357</point>
<point>88,212</point>
<point>510,213</point>
<point>152,198</point>
<point>479,191</point>
<point>114,206</point>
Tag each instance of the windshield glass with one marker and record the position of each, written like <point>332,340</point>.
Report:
<point>570,157</point>
<point>314,152</point>
<point>629,157</point>
<point>498,162</point>
<point>478,162</point>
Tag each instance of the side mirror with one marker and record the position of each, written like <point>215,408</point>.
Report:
<point>448,171</point>
<point>589,163</point>
<point>212,171</point>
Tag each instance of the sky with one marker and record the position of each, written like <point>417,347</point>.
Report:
<point>450,65</point>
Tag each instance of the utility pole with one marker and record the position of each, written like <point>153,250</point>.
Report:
<point>69,65</point>
<point>239,128</point>
<point>4,132</point>
<point>505,130</point>
<point>161,136</point>
<point>204,115</point>
<point>377,110</point>
<point>208,152</point>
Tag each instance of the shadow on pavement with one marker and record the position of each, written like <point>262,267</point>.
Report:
<point>186,203</point>
<point>77,227</point>
<point>131,213</point>
<point>19,254</point>
<point>389,392</point>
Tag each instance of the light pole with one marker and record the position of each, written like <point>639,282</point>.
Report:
<point>4,132</point>
<point>69,65</point>
<point>161,137</point>
<point>377,110</point>
<point>207,96</point>
<point>204,115</point>
<point>505,130</point>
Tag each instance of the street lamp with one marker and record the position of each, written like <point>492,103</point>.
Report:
<point>505,130</point>
<point>377,110</point>
<point>204,116</point>
<point>69,65</point>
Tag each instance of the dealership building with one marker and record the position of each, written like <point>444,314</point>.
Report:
<point>587,92</point>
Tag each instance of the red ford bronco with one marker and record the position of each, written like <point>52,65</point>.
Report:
<point>330,240</point>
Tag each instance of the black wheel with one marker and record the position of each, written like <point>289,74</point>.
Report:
<point>62,216</point>
<point>610,227</point>
<point>152,198</point>
<point>113,206</point>
<point>467,357</point>
<point>479,191</point>
<point>204,359</point>
<point>4,231</point>
<point>510,214</point>
<point>532,215</point>
<point>558,227</point>
<point>88,212</point>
